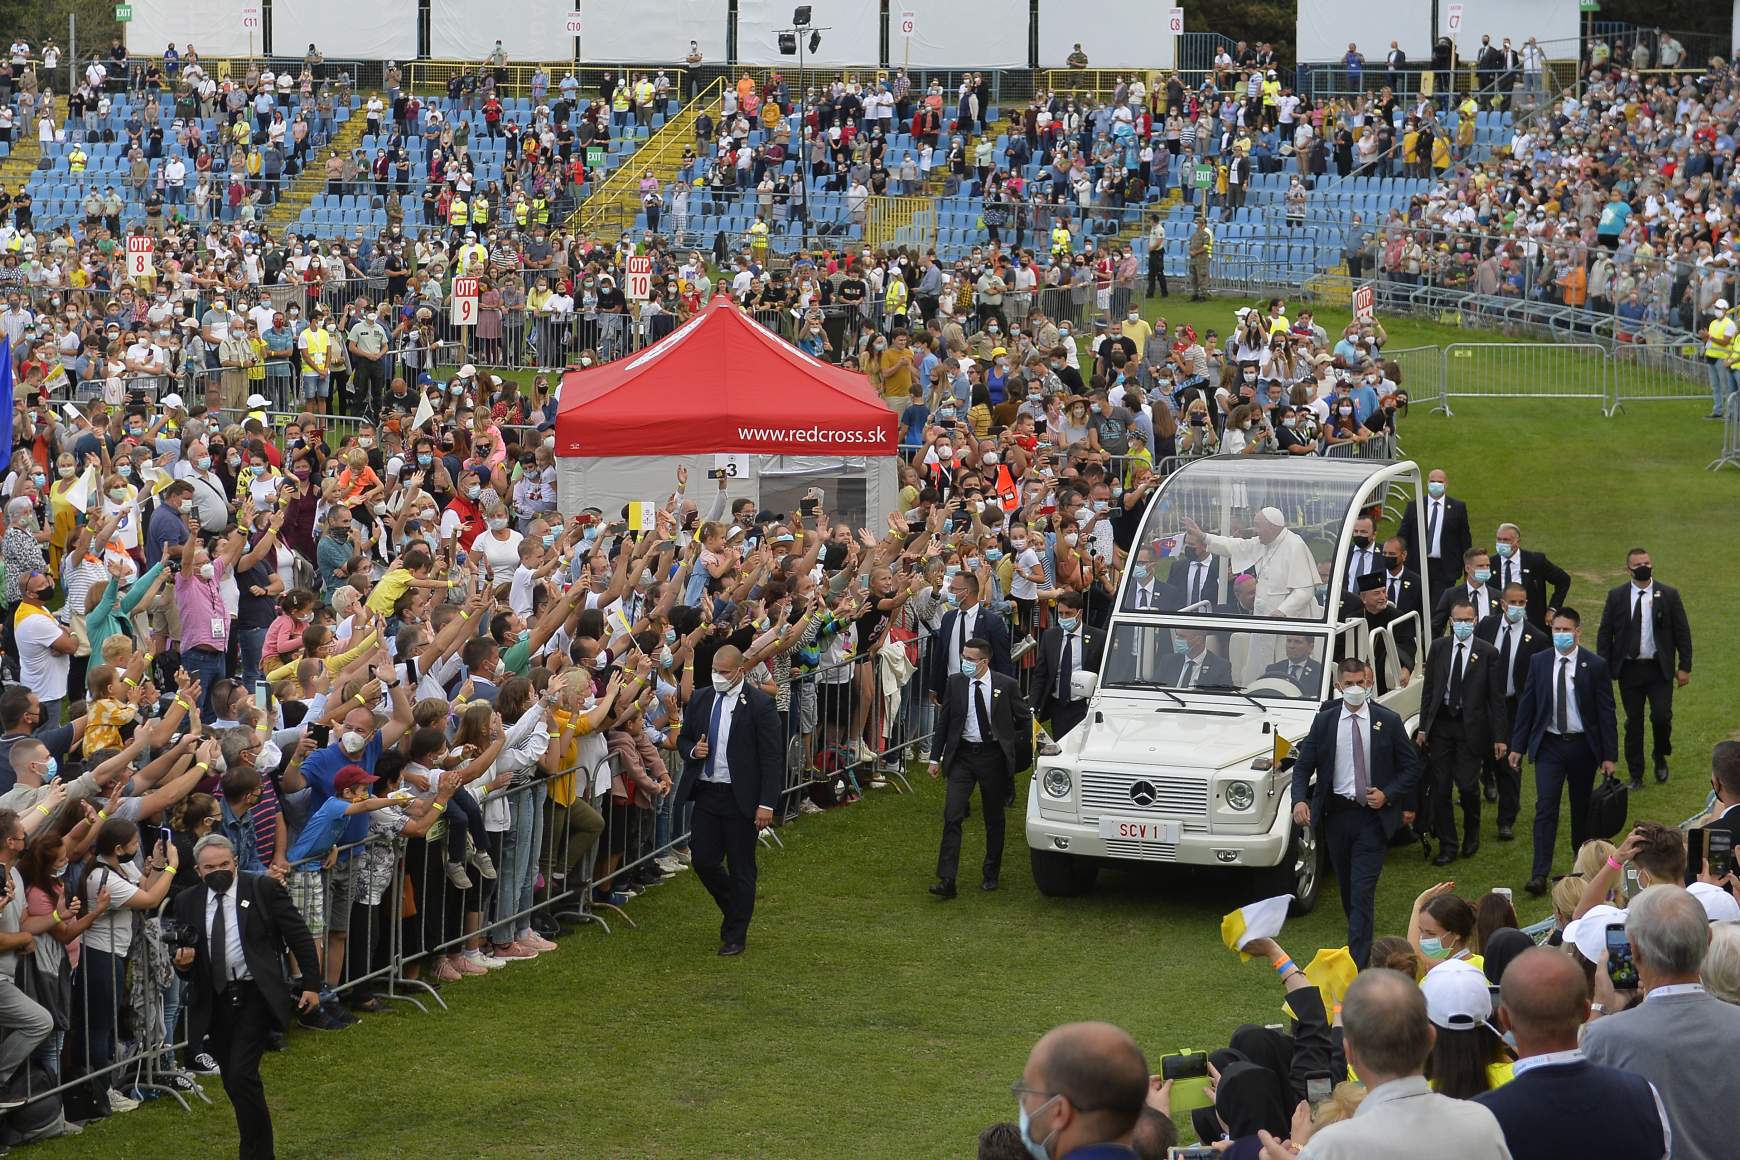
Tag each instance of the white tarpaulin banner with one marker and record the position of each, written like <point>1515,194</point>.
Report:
<point>1325,27</point>
<point>652,30</point>
<point>1113,33</point>
<point>957,34</point>
<point>1548,21</point>
<point>344,29</point>
<point>854,33</point>
<point>528,30</point>
<point>214,27</point>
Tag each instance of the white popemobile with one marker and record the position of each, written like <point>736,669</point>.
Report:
<point>1224,636</point>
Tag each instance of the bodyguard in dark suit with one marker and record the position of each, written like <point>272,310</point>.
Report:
<point>1564,724</point>
<point>983,737</point>
<point>1401,582</point>
<point>1299,666</point>
<point>1474,586</point>
<point>1195,576</point>
<point>1068,647</point>
<point>1447,534</point>
<point>1546,583</point>
<point>1363,555</point>
<point>968,618</point>
<point>733,749</point>
<point>1643,630</point>
<point>1351,775</point>
<point>237,990</point>
<point>1517,638</point>
<point>1462,722</point>
<point>1194,667</point>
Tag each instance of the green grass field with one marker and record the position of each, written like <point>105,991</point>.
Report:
<point>869,1020</point>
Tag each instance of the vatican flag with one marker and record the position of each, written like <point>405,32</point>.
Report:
<point>1258,920</point>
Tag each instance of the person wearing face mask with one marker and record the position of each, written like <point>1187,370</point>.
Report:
<point>1365,768</point>
<point>1082,1094</point>
<point>1447,531</point>
<point>984,738</point>
<point>1068,647</point>
<point>1462,722</point>
<point>733,750</point>
<point>1477,588</point>
<point>1647,643</point>
<point>463,520</point>
<point>1547,584</point>
<point>1565,724</point>
<point>238,988</point>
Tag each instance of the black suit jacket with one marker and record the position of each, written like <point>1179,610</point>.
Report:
<point>1449,596</point>
<point>1409,594</point>
<point>755,750</point>
<point>1673,634</point>
<point>987,625</point>
<point>1045,668</point>
<point>1310,681</point>
<point>1483,714</point>
<point>1454,538</point>
<point>1178,580</point>
<point>271,927</point>
<point>1407,647</point>
<point>1011,721</point>
<point>1215,670</point>
<point>1534,639</point>
<point>1392,766</point>
<point>1546,583</point>
<point>1593,688</point>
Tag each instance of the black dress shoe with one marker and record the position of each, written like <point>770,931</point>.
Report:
<point>1536,886</point>
<point>944,889</point>
<point>1661,770</point>
<point>1445,856</point>
<point>1470,849</point>
<point>1506,834</point>
<point>1636,784</point>
<point>988,884</point>
<point>1490,793</point>
<point>730,949</point>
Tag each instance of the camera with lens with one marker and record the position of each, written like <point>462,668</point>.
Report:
<point>178,934</point>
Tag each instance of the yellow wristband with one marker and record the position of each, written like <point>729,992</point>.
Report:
<point>201,765</point>
<point>464,615</point>
<point>102,815</point>
<point>184,705</point>
<point>56,916</point>
<point>148,657</point>
<point>169,870</point>
<point>44,810</point>
<point>440,807</point>
<point>359,700</point>
<point>130,682</point>
<point>459,700</point>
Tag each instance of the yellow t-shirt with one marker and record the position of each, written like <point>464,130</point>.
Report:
<point>387,592</point>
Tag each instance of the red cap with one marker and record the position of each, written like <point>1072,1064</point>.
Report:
<point>352,775</point>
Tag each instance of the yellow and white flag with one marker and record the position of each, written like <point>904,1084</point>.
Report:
<point>1258,920</point>
<point>425,412</point>
<point>642,515</point>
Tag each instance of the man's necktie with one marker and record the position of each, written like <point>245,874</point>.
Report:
<point>1456,680</point>
<point>713,736</point>
<point>1065,668</point>
<point>1395,589</point>
<point>1562,713</point>
<point>1361,782</point>
<point>1634,634</point>
<point>983,713</point>
<point>1432,530</point>
<point>1294,672</point>
<point>1195,583</point>
<point>1188,675</point>
<point>1504,656</point>
<point>960,634</point>
<point>217,951</point>
<point>1141,598</point>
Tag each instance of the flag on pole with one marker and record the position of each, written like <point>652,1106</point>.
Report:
<point>1168,544</point>
<point>6,384</point>
<point>642,515</point>
<point>84,490</point>
<point>1258,920</point>
<point>425,412</point>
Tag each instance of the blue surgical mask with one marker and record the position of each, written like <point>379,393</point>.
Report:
<point>1462,628</point>
<point>992,555</point>
<point>951,570</point>
<point>1503,550</point>
<point>52,772</point>
<point>1482,575</point>
<point>950,599</point>
<point>1564,641</point>
<point>589,533</point>
<point>1434,948</point>
<point>1068,624</point>
<point>670,636</point>
<point>1142,573</point>
<point>425,460</point>
<point>1435,490</point>
<point>970,670</point>
<point>1514,613</point>
<point>1179,646</point>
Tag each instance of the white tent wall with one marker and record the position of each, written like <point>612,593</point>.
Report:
<point>1113,33</point>
<point>854,33</point>
<point>527,29</point>
<point>861,491</point>
<point>214,27</point>
<point>344,29</point>
<point>950,34</point>
<point>1324,28</point>
<point>651,30</point>
<point>1548,21</point>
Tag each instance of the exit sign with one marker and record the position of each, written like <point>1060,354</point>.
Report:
<point>123,13</point>
<point>1588,5</point>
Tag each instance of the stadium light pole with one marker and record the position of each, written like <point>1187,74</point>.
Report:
<point>794,40</point>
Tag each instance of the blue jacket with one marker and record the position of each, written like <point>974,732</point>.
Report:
<point>1594,694</point>
<point>1393,764</point>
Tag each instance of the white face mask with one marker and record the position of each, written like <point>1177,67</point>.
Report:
<point>353,742</point>
<point>723,684</point>
<point>206,571</point>
<point>270,756</point>
<point>497,523</point>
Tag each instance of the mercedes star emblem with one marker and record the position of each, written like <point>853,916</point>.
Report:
<point>1143,793</point>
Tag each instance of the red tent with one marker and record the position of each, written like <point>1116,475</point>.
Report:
<point>721,383</point>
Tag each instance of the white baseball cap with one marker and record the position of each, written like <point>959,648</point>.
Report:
<point>255,401</point>
<point>1721,304</point>
<point>171,401</point>
<point>467,371</point>
<point>1718,903</point>
<point>1589,933</point>
<point>1457,998</point>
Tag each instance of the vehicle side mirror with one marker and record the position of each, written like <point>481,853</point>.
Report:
<point>1082,684</point>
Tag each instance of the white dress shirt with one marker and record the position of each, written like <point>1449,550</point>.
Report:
<point>1646,638</point>
<point>983,685</point>
<point>1480,596</point>
<point>1435,526</point>
<point>1573,718</point>
<point>1513,633</point>
<point>1359,562</point>
<point>236,962</point>
<point>966,620</point>
<point>1190,671</point>
<point>716,745</point>
<point>1146,596</point>
<point>1068,657</point>
<point>1509,571</point>
<point>1351,720</point>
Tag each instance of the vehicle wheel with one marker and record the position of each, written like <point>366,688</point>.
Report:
<point>1300,873</point>
<point>1062,875</point>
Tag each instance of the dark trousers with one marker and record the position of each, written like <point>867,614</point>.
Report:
<point>981,764</point>
<point>1506,780</point>
<point>1157,273</point>
<point>1066,715</point>
<point>1354,839</point>
<point>1561,760</point>
<point>237,1036</point>
<point>1641,681</point>
<point>1453,762</point>
<point>720,837</point>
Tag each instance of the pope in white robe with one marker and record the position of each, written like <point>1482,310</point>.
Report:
<point>1286,574</point>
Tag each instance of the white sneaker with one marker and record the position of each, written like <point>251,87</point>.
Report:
<point>489,962</point>
<point>120,1103</point>
<point>878,782</point>
<point>865,753</point>
<point>669,865</point>
<point>806,806</point>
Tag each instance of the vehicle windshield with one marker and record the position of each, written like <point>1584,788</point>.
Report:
<point>1283,665</point>
<point>1243,537</point>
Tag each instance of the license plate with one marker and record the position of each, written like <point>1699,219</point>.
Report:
<point>1141,830</point>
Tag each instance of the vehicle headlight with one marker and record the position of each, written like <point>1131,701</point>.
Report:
<point>1240,795</point>
<point>1057,783</point>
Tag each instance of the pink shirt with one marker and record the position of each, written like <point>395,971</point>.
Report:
<point>38,902</point>
<point>205,619</point>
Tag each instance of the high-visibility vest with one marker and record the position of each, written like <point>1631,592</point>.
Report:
<point>522,213</point>
<point>457,213</point>
<point>894,296</point>
<point>480,210</point>
<point>540,211</point>
<point>1061,242</point>
<point>1720,344</point>
<point>75,160</point>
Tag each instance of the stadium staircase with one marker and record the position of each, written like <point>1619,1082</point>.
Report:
<point>300,193</point>
<point>615,202</point>
<point>26,152</point>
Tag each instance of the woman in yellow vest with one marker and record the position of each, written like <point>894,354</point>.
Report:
<point>480,210</point>
<point>75,159</point>
<point>522,211</point>
<point>1061,241</point>
<point>63,515</point>
<point>894,296</point>
<point>540,210</point>
<point>1441,928</point>
<point>458,213</point>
